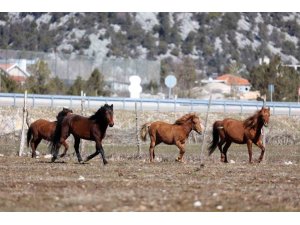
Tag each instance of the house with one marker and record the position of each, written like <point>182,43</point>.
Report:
<point>238,84</point>
<point>15,71</point>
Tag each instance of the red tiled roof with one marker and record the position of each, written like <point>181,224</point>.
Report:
<point>233,80</point>
<point>5,66</point>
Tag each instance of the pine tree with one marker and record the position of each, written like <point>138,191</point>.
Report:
<point>95,84</point>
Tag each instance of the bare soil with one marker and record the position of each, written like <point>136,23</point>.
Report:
<point>129,183</point>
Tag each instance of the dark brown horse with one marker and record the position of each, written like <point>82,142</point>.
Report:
<point>240,132</point>
<point>91,128</point>
<point>171,134</point>
<point>44,129</point>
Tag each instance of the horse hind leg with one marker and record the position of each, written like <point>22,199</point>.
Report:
<point>151,148</point>
<point>65,144</point>
<point>220,144</point>
<point>76,147</point>
<point>227,145</point>
<point>34,143</point>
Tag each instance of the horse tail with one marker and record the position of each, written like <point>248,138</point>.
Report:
<point>144,131</point>
<point>29,134</point>
<point>56,135</point>
<point>214,143</point>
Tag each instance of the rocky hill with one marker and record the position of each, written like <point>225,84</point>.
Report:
<point>214,40</point>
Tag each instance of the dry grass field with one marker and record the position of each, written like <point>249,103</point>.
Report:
<point>129,183</point>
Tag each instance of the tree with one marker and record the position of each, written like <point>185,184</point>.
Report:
<point>95,84</point>
<point>56,86</point>
<point>7,84</point>
<point>77,87</point>
<point>286,80</point>
<point>37,83</point>
<point>186,77</point>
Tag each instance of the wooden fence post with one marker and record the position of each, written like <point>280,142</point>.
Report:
<point>82,111</point>
<point>204,132</point>
<point>137,131</point>
<point>21,150</point>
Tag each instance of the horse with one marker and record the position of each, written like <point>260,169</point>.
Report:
<point>171,134</point>
<point>44,129</point>
<point>240,132</point>
<point>91,128</point>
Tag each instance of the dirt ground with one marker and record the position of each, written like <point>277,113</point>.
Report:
<point>133,184</point>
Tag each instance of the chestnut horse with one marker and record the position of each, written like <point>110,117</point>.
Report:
<point>171,134</point>
<point>240,132</point>
<point>91,128</point>
<point>44,129</point>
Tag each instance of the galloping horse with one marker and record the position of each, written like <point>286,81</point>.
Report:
<point>171,134</point>
<point>44,129</point>
<point>91,128</point>
<point>241,132</point>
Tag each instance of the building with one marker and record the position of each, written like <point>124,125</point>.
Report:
<point>15,71</point>
<point>237,84</point>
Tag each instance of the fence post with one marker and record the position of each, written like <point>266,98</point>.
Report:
<point>137,131</point>
<point>15,100</point>
<point>82,144</point>
<point>23,125</point>
<point>204,132</point>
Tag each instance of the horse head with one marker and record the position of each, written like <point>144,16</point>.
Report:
<point>265,115</point>
<point>67,111</point>
<point>109,114</point>
<point>196,124</point>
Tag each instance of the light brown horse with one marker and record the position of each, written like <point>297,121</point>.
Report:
<point>171,134</point>
<point>240,132</point>
<point>44,129</point>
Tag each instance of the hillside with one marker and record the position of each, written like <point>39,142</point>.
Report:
<point>213,40</point>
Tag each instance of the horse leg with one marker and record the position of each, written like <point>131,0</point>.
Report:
<point>34,143</point>
<point>261,146</point>
<point>181,151</point>
<point>101,150</point>
<point>221,151</point>
<point>76,146</point>
<point>151,148</point>
<point>226,146</point>
<point>66,149</point>
<point>91,156</point>
<point>55,152</point>
<point>249,145</point>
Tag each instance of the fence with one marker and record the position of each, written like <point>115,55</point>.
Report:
<point>68,66</point>
<point>163,105</point>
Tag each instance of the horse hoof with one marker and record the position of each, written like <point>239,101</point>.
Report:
<point>53,159</point>
<point>105,162</point>
<point>179,160</point>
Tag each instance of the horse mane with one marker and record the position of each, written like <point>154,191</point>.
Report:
<point>63,113</point>
<point>99,115</point>
<point>184,118</point>
<point>251,121</point>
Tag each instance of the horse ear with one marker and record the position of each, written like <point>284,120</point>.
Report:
<point>112,106</point>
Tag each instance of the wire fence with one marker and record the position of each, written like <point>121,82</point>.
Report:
<point>68,67</point>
